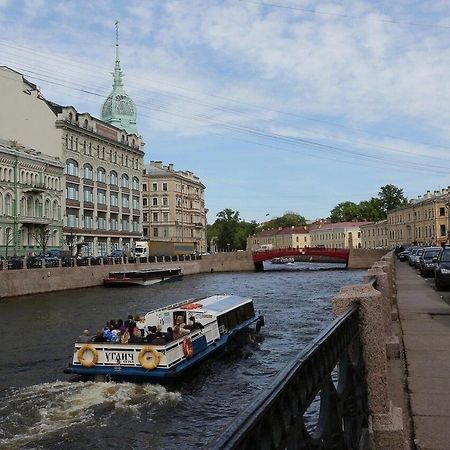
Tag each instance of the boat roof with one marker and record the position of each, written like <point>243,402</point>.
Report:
<point>160,269</point>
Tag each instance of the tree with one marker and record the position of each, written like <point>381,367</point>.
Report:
<point>344,212</point>
<point>9,240</point>
<point>71,240</point>
<point>391,197</point>
<point>42,236</point>
<point>288,219</point>
<point>371,210</point>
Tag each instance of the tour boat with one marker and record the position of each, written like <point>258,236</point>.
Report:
<point>282,260</point>
<point>142,277</point>
<point>223,319</point>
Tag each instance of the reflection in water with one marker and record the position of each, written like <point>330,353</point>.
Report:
<point>40,407</point>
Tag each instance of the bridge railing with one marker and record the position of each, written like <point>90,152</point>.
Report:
<point>331,366</point>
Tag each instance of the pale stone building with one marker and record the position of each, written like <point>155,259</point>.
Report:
<point>422,221</point>
<point>337,235</point>
<point>375,235</point>
<point>173,206</point>
<point>103,158</point>
<point>30,200</point>
<point>280,238</point>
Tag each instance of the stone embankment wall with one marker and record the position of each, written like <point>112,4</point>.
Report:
<point>33,281</point>
<point>363,258</point>
<point>379,333</point>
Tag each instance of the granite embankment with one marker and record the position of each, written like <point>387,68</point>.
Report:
<point>33,281</point>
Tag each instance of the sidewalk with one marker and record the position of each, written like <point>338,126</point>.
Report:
<point>425,323</point>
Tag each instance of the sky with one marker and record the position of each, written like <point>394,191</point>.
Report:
<point>284,105</point>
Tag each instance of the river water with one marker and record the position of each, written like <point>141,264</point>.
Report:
<point>41,408</point>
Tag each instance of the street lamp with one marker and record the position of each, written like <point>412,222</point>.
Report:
<point>228,245</point>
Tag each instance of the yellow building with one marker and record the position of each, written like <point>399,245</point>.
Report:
<point>278,238</point>
<point>375,235</point>
<point>337,235</point>
<point>173,206</point>
<point>422,221</point>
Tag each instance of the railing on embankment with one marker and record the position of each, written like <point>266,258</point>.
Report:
<point>355,413</point>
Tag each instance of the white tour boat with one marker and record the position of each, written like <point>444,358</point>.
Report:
<point>222,318</point>
<point>142,277</point>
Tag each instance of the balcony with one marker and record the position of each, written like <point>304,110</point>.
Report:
<point>34,220</point>
<point>72,203</point>
<point>73,178</point>
<point>102,207</point>
<point>36,189</point>
<point>88,205</point>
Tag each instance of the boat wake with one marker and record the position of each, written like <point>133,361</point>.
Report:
<point>39,411</point>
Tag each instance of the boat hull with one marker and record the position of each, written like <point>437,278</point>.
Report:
<point>139,282</point>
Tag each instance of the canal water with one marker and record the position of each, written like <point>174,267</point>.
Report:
<point>41,408</point>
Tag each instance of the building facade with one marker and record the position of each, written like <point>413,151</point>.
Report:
<point>375,235</point>
<point>173,206</point>
<point>31,200</point>
<point>103,159</point>
<point>337,235</point>
<point>280,238</point>
<point>422,221</point>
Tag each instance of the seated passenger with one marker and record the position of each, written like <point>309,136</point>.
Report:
<point>84,337</point>
<point>159,339</point>
<point>179,332</point>
<point>169,334</point>
<point>99,337</point>
<point>115,336</point>
<point>124,339</point>
<point>193,324</point>
<point>136,336</point>
<point>180,321</point>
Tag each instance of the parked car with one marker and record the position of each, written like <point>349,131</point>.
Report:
<point>442,269</point>
<point>412,255</point>
<point>416,260</point>
<point>404,256</point>
<point>426,261</point>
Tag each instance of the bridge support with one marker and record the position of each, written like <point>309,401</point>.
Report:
<point>386,420</point>
<point>259,266</point>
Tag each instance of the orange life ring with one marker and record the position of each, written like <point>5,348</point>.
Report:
<point>188,348</point>
<point>87,362</point>
<point>191,306</point>
<point>151,362</point>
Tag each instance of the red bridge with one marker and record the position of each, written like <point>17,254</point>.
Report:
<point>331,253</point>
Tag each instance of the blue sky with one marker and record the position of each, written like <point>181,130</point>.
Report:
<point>289,105</point>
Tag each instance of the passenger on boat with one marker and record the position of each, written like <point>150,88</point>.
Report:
<point>140,324</point>
<point>179,332</point>
<point>124,339</point>
<point>151,334</point>
<point>169,334</point>
<point>120,325</point>
<point>115,336</point>
<point>84,337</point>
<point>136,337</point>
<point>99,337</point>
<point>159,339</point>
<point>194,325</point>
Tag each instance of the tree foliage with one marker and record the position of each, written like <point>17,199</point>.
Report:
<point>288,219</point>
<point>229,231</point>
<point>42,236</point>
<point>375,209</point>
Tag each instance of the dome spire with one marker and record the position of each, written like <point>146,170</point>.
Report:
<point>118,109</point>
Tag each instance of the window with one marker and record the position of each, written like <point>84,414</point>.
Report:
<point>72,192</point>
<point>101,175</point>
<point>154,187</point>
<point>125,201</point>
<point>114,199</point>
<point>114,224</point>
<point>144,187</point>
<point>125,224</point>
<point>88,172</point>
<point>144,201</point>
<point>165,232</point>
<point>136,227</point>
<point>135,185</point>
<point>102,223</point>
<point>125,181</point>
<point>145,232</point>
<point>164,186</point>
<point>88,195</point>
<point>165,201</point>
<point>72,168</point>
<point>442,213</point>
<point>155,201</point>
<point>113,178</point>
<point>145,217</point>
<point>165,217</point>
<point>155,232</point>
<point>155,217</point>
<point>72,220</point>
<point>88,222</point>
<point>442,230</point>
<point>135,202</point>
<point>101,197</point>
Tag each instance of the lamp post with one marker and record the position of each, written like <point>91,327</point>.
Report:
<point>228,245</point>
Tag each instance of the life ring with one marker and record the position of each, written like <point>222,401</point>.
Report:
<point>87,362</point>
<point>188,348</point>
<point>191,306</point>
<point>149,363</point>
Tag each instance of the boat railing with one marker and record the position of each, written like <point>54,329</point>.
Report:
<point>332,366</point>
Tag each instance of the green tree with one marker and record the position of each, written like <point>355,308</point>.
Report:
<point>371,210</point>
<point>391,197</point>
<point>345,212</point>
<point>288,219</point>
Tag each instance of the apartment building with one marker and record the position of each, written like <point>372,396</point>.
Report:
<point>375,235</point>
<point>173,206</point>
<point>287,237</point>
<point>337,235</point>
<point>422,221</point>
<point>31,199</point>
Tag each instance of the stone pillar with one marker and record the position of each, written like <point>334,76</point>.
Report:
<point>163,259</point>
<point>386,421</point>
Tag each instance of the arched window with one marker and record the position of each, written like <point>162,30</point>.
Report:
<point>125,181</point>
<point>72,167</point>
<point>85,125</point>
<point>23,206</point>
<point>8,204</point>
<point>136,183</point>
<point>1,236</point>
<point>8,236</point>
<point>37,208</point>
<point>30,207</point>
<point>55,239</point>
<point>113,178</point>
<point>70,117</point>
<point>88,172</point>
<point>1,203</point>
<point>47,209</point>
<point>55,215</point>
<point>101,175</point>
